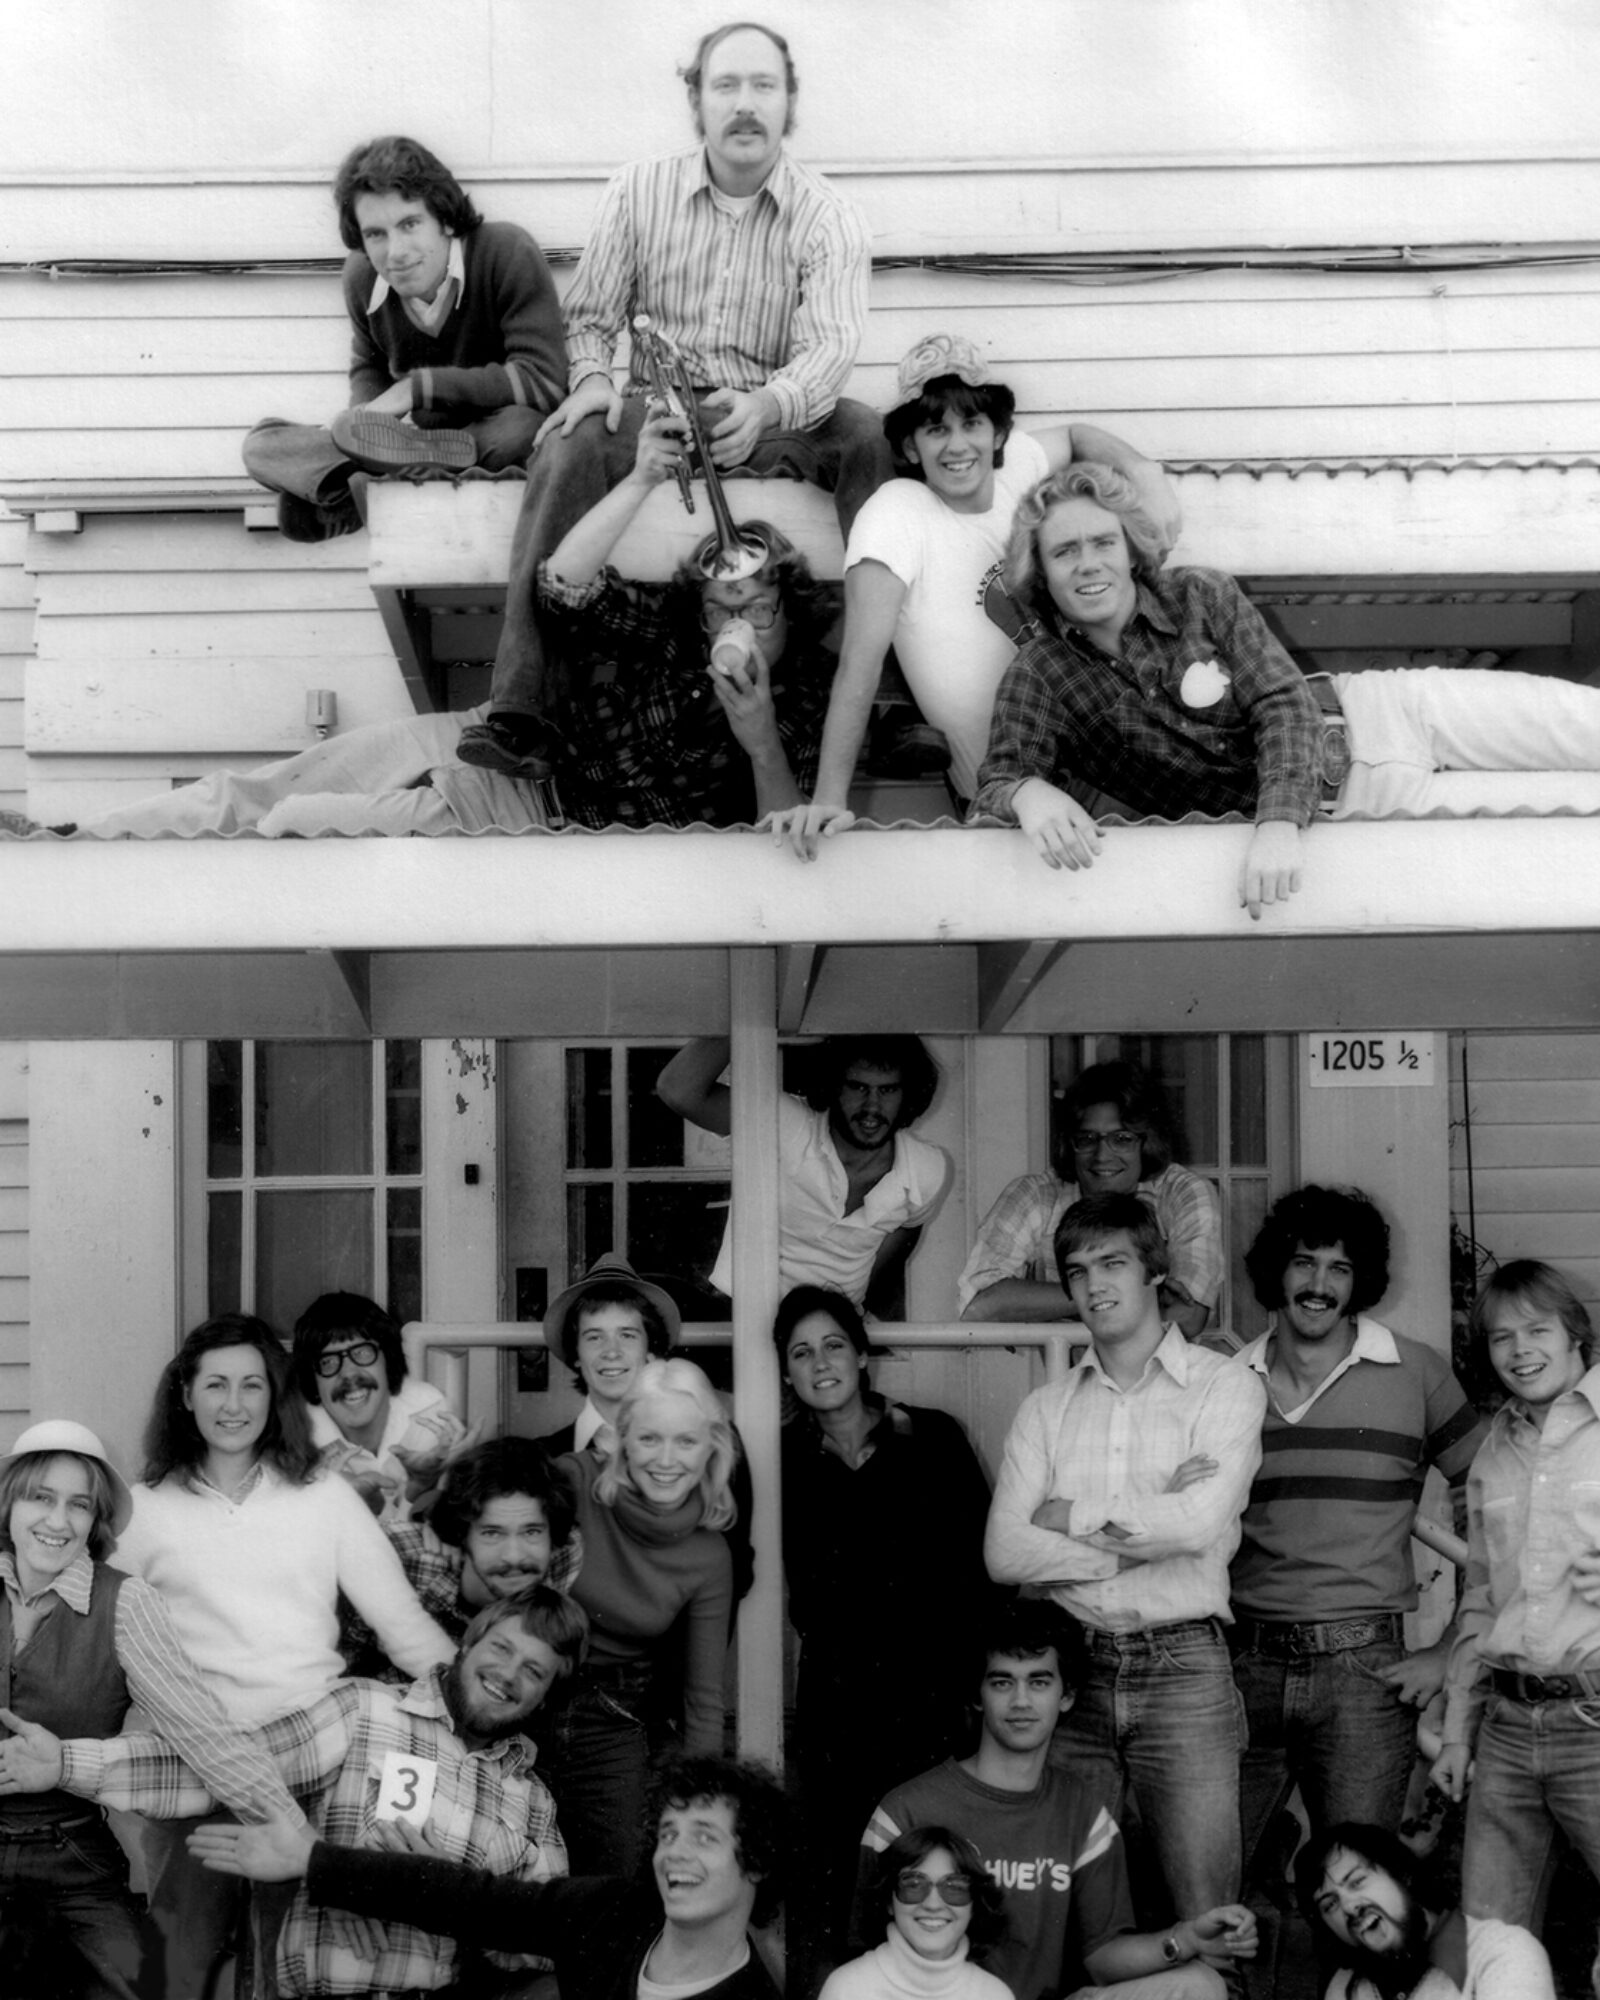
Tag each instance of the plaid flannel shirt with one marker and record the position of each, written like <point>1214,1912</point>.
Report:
<point>647,741</point>
<point>489,1810</point>
<point>1158,726</point>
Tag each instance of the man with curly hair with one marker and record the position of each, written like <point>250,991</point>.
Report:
<point>1166,691</point>
<point>1323,1577</point>
<point>457,348</point>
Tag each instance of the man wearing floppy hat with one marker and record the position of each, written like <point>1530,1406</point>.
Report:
<point>80,1644</point>
<point>923,564</point>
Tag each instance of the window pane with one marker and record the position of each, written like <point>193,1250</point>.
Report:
<point>224,1255</point>
<point>1247,1210</point>
<point>224,1110</point>
<point>405,1253</point>
<point>675,1227</point>
<point>589,1108</point>
<point>402,1107</point>
<point>591,1226</point>
<point>1249,1108</point>
<point>655,1134</point>
<point>309,1243</point>
<point>314,1109</point>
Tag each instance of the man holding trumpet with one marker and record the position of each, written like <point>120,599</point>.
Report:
<point>756,272</point>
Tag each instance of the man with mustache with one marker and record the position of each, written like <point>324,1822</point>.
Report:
<point>757,270</point>
<point>1363,1884</point>
<point>446,1755</point>
<point>854,1186</point>
<point>387,1433</point>
<point>1323,1577</point>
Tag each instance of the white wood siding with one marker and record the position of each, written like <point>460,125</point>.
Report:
<point>14,1405</point>
<point>1535,1138</point>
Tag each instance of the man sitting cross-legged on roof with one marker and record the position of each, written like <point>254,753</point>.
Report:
<point>720,1837</point>
<point>447,1755</point>
<point>1049,1843</point>
<point>1166,690</point>
<point>925,558</point>
<point>388,1433</point>
<point>457,349</point>
<point>502,1523</point>
<point>665,732</point>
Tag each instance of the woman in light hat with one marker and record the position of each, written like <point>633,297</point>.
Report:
<point>80,1643</point>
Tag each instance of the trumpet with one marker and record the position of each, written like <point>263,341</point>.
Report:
<point>739,552</point>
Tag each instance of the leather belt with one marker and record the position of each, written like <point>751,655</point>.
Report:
<point>1545,1687</point>
<point>1328,1635</point>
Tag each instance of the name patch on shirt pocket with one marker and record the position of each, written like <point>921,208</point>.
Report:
<point>1203,685</point>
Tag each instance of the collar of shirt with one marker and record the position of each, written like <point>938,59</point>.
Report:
<point>697,178</point>
<point>445,300</point>
<point>1172,1356</point>
<point>588,1427</point>
<point>425,1697</point>
<point>1148,605</point>
<point>202,1482</point>
<point>74,1586</point>
<point>1373,1342</point>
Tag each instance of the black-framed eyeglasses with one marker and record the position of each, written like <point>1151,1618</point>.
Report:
<point>912,1886</point>
<point>762,615</point>
<point>1122,1141</point>
<point>364,1354</point>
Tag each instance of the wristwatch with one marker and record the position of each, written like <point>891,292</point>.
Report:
<point>1171,1950</point>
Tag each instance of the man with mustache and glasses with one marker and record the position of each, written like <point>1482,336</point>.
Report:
<point>445,1755</point>
<point>389,1435</point>
<point>1323,1577</point>
<point>757,270</point>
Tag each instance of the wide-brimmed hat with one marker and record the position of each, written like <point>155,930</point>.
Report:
<point>939,354</point>
<point>61,1434</point>
<point>609,1269</point>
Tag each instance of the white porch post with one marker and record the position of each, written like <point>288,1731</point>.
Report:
<point>753,1028</point>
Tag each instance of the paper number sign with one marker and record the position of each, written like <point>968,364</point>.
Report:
<point>405,1788</point>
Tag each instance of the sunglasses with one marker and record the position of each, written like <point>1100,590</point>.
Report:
<point>914,1887</point>
<point>762,615</point>
<point>364,1354</point>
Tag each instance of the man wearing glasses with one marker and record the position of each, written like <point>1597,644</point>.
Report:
<point>1117,1133</point>
<point>389,1435</point>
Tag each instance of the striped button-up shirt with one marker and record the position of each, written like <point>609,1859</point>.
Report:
<point>1202,711</point>
<point>1112,1452</point>
<point>774,297</point>
<point>1533,1507</point>
<point>488,1810</point>
<point>165,1684</point>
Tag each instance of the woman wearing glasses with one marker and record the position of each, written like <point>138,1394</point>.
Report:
<point>884,1507</point>
<point>389,1434</point>
<point>1117,1142</point>
<point>939,1901</point>
<point>250,1541</point>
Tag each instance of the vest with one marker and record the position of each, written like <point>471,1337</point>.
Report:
<point>67,1677</point>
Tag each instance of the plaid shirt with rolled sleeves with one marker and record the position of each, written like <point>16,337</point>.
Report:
<point>488,1810</point>
<point>433,1570</point>
<point>648,742</point>
<point>1201,712</point>
<point>775,298</point>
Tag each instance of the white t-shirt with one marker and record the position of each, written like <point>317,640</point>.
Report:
<point>951,651</point>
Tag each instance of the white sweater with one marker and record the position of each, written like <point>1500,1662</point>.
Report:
<point>895,1972</point>
<point>253,1586</point>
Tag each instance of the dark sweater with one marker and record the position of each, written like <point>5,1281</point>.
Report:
<point>503,343</point>
<point>596,1928</point>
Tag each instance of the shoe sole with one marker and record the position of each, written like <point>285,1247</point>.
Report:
<point>388,441</point>
<point>484,754</point>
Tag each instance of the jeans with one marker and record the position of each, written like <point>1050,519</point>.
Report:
<point>847,455</point>
<point>1159,1717</point>
<point>303,458</point>
<point>1327,1723</point>
<point>1537,1776</point>
<point>594,1754</point>
<point>81,1873</point>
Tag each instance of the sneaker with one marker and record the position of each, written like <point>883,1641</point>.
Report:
<point>517,746</point>
<point>317,520</point>
<point>18,825</point>
<point>372,438</point>
<point>899,749</point>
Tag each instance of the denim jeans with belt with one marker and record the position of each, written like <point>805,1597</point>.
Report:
<point>79,1874</point>
<point>1536,1776</point>
<point>1159,1717</point>
<point>594,1754</point>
